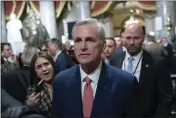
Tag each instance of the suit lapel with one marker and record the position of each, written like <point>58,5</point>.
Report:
<point>120,59</point>
<point>145,68</point>
<point>102,88</point>
<point>76,96</point>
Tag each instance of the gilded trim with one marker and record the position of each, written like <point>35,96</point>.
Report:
<point>146,7</point>
<point>140,18</point>
<point>21,9</point>
<point>92,4</point>
<point>12,11</point>
<point>60,8</point>
<point>14,7</point>
<point>34,8</point>
<point>102,10</point>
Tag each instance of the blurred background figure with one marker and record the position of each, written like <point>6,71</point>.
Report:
<point>61,58</point>
<point>17,81</point>
<point>67,45</point>
<point>119,45</point>
<point>110,47</point>
<point>43,47</point>
<point>152,46</point>
<point>119,42</point>
<point>8,59</point>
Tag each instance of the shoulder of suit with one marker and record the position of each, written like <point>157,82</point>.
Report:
<point>66,74</point>
<point>119,74</point>
<point>154,57</point>
<point>116,55</point>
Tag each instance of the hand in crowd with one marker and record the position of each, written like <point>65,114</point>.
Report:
<point>34,99</point>
<point>14,58</point>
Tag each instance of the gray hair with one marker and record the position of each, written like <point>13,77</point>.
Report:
<point>28,54</point>
<point>92,22</point>
<point>57,43</point>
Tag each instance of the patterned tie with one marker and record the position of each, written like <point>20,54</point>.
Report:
<point>87,98</point>
<point>130,65</point>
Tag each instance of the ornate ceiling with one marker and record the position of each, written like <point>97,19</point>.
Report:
<point>97,7</point>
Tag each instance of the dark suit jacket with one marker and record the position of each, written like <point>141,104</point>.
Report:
<point>17,82</point>
<point>155,86</point>
<point>8,101</point>
<point>63,62</point>
<point>116,94</point>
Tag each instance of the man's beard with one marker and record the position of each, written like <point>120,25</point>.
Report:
<point>134,53</point>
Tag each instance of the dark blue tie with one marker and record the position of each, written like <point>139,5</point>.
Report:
<point>130,65</point>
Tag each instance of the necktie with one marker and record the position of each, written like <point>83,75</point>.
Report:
<point>130,65</point>
<point>87,98</point>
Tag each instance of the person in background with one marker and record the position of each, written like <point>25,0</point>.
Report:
<point>155,85</point>
<point>119,43</point>
<point>110,47</point>
<point>44,46</point>
<point>93,88</point>
<point>8,59</point>
<point>39,94</point>
<point>67,45</point>
<point>12,108</point>
<point>152,46</point>
<point>17,81</point>
<point>62,60</point>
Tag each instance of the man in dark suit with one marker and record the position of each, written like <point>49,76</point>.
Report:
<point>17,81</point>
<point>62,60</point>
<point>7,57</point>
<point>93,88</point>
<point>11,108</point>
<point>110,46</point>
<point>155,86</point>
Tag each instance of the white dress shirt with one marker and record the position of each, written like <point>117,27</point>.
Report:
<point>135,63</point>
<point>106,60</point>
<point>94,76</point>
<point>57,54</point>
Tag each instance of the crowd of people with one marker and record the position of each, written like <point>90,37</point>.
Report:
<point>122,76</point>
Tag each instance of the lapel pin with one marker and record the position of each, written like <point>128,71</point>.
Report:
<point>146,65</point>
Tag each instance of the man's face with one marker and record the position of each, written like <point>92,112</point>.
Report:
<point>52,48</point>
<point>87,45</point>
<point>110,48</point>
<point>118,42</point>
<point>133,39</point>
<point>7,52</point>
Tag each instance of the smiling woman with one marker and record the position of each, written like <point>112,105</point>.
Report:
<point>42,73</point>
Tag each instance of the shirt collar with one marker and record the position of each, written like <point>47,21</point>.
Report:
<point>106,60</point>
<point>136,57</point>
<point>94,76</point>
<point>57,54</point>
<point>5,59</point>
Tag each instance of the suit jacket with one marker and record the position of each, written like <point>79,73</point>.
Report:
<point>155,86</point>
<point>17,82</point>
<point>116,94</point>
<point>63,62</point>
<point>154,48</point>
<point>8,101</point>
